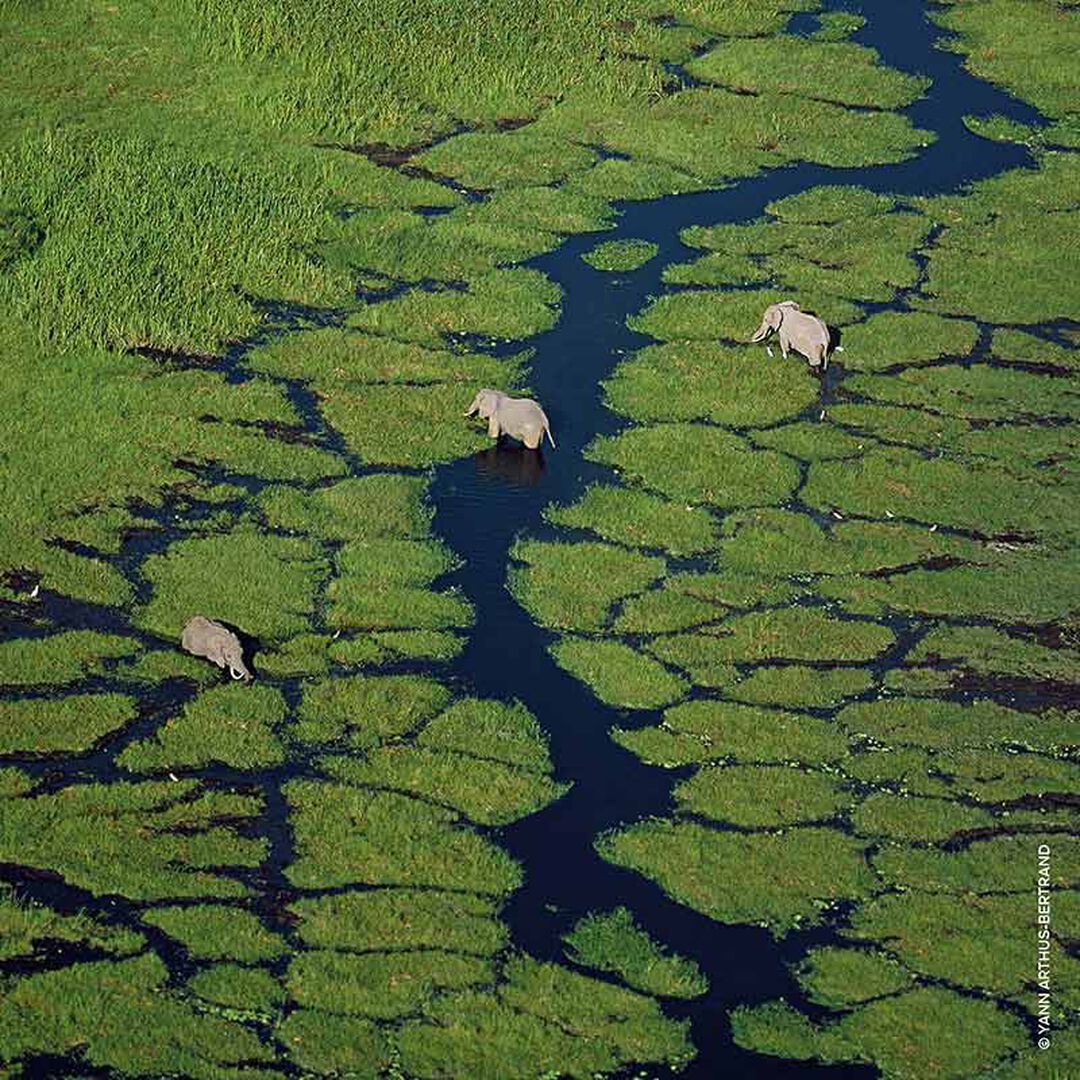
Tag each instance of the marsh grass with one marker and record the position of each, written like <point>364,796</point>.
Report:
<point>705,381</point>
<point>833,71</point>
<point>121,1015</point>
<point>913,819</point>
<point>232,724</point>
<point>146,841</point>
<point>621,255</point>
<point>756,796</point>
<point>347,835</point>
<point>612,941</point>
<point>359,508</point>
<point>218,932</point>
<point>400,919</point>
<point>327,1042</point>
<point>366,708</point>
<point>985,649</point>
<point>711,730</point>
<point>778,880</point>
<point>492,730</point>
<point>839,978</point>
<point>486,792</point>
<point>698,464</point>
<point>253,991</point>
<point>502,305</point>
<point>794,686</point>
<point>27,928</point>
<point>61,658</point>
<point>663,611</point>
<point>574,586</point>
<point>43,726</point>
<point>618,674</point>
<point>264,585</point>
<point>909,337</point>
<point>638,519</point>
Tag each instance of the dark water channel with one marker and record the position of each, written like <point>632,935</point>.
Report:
<point>484,503</point>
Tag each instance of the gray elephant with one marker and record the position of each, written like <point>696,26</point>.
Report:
<point>798,330</point>
<point>217,643</point>
<point>520,418</point>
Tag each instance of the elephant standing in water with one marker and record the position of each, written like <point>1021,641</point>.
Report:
<point>217,643</point>
<point>798,330</point>
<point>520,418</point>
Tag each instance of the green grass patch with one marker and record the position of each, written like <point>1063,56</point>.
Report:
<point>367,709</point>
<point>709,730</point>
<point>380,985</point>
<point>612,941</point>
<point>810,440</point>
<point>837,25</point>
<point>829,71</point>
<point>840,978</point>
<point>503,305</point>
<point>69,724</point>
<point>324,1042</point>
<point>493,730</point>
<point>60,658</point>
<point>491,160</point>
<point>1014,346</point>
<point>406,919</point>
<point>575,586</point>
<point>928,1031</point>
<point>638,519</point>
<point>951,725</point>
<point>989,651</point>
<point>912,818</point>
<point>218,932</point>
<point>967,495</point>
<point>27,930</point>
<point>253,991</point>
<point>231,724</point>
<point>797,633</point>
<point>543,1019</point>
<point>734,590</point>
<point>698,464</point>
<point>621,255</point>
<point>776,880</point>
<point>797,686</point>
<point>265,585</point>
<point>756,796</point>
<point>704,381</point>
<point>619,675</point>
<point>121,1015</point>
<point>147,841</point>
<point>334,358</point>
<point>975,393</point>
<point>664,611</point>
<point>993,865</point>
<point>359,508</point>
<point>347,835</point>
<point>906,337</point>
<point>487,792</point>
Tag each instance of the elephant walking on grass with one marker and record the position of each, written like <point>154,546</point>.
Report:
<point>798,330</point>
<point>217,643</point>
<point>520,418</point>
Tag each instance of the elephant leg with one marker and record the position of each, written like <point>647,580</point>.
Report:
<point>493,428</point>
<point>532,439</point>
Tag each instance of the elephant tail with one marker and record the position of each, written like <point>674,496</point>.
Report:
<point>551,440</point>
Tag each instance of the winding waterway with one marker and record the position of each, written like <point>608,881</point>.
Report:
<point>484,503</point>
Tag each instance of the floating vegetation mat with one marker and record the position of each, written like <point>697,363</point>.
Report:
<point>250,282</point>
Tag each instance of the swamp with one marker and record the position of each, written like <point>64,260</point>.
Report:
<point>737,736</point>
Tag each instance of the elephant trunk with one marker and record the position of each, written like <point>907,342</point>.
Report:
<point>762,331</point>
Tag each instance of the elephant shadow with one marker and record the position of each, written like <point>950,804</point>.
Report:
<point>250,645</point>
<point>514,465</point>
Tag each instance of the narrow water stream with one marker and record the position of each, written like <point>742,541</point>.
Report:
<point>483,503</point>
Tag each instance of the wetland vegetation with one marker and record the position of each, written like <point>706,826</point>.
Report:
<point>254,261</point>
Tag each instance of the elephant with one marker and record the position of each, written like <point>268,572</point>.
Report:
<point>204,637</point>
<point>521,418</point>
<point>798,330</point>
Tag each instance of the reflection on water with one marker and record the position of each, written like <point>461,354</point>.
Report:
<point>514,465</point>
